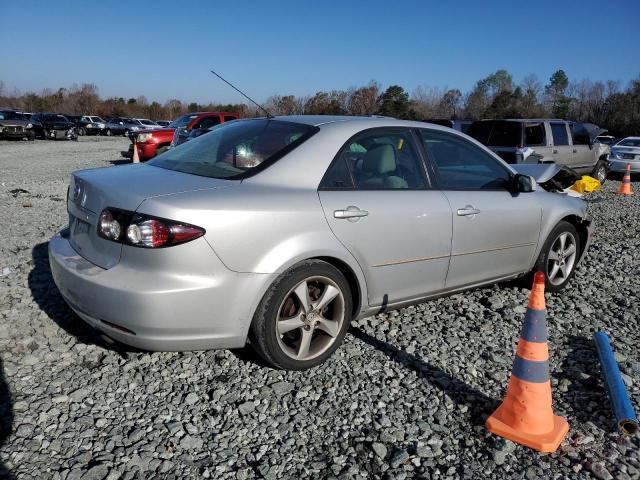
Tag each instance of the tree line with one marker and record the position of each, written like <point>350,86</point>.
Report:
<point>496,96</point>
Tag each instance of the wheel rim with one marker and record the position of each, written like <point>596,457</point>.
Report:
<point>108,133</point>
<point>601,173</point>
<point>310,318</point>
<point>562,258</point>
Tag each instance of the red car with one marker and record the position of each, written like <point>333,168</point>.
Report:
<point>154,142</point>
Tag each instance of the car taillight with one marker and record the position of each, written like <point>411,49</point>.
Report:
<point>144,231</point>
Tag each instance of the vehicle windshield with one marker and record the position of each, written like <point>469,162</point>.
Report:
<point>55,118</point>
<point>629,142</point>
<point>96,119</point>
<point>231,150</point>
<point>182,121</point>
<point>11,116</point>
<point>147,122</point>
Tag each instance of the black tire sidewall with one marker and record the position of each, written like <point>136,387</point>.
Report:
<point>541,263</point>
<point>263,337</point>
<point>603,164</point>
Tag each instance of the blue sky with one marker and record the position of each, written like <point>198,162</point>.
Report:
<point>164,49</point>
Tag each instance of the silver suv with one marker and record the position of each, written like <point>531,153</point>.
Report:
<point>566,143</point>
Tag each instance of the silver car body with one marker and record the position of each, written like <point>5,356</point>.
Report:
<point>626,151</point>
<point>411,246</point>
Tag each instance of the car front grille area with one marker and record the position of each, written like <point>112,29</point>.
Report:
<point>12,129</point>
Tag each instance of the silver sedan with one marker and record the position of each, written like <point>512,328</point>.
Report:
<point>277,232</point>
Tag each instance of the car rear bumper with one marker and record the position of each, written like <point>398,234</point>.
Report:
<point>163,312</point>
<point>620,166</point>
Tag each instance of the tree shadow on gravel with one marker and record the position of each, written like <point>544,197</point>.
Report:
<point>6,418</point>
<point>480,405</point>
<point>586,395</point>
<point>47,296</point>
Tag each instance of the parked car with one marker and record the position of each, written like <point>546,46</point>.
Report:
<point>154,142</point>
<point>560,141</point>
<point>460,125</point>
<point>626,151</point>
<point>148,124</point>
<point>91,125</point>
<point>51,126</point>
<point>14,125</point>
<point>163,123</point>
<point>606,139</point>
<point>279,231</point>
<point>116,126</point>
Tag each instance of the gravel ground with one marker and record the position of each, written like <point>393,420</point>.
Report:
<point>405,396</point>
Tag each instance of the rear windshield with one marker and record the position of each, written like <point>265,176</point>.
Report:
<point>235,149</point>
<point>629,142</point>
<point>497,134</point>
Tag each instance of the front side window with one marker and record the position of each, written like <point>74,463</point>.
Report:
<point>580,134</point>
<point>379,159</point>
<point>559,132</point>
<point>207,122</point>
<point>237,149</point>
<point>534,134</point>
<point>463,166</point>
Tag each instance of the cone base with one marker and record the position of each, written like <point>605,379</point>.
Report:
<point>548,442</point>
<point>622,193</point>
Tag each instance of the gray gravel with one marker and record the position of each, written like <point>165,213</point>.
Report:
<point>405,397</point>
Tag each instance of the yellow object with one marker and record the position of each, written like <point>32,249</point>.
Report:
<point>401,144</point>
<point>586,184</point>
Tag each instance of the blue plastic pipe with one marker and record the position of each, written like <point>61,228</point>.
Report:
<point>618,396</point>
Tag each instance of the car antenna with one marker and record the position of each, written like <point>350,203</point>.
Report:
<point>245,95</point>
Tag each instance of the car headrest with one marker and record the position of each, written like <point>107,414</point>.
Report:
<point>379,160</point>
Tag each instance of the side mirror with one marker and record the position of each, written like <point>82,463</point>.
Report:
<point>524,183</point>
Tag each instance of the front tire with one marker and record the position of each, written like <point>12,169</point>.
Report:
<point>303,317</point>
<point>82,132</point>
<point>559,256</point>
<point>109,132</point>
<point>600,171</point>
<point>161,150</point>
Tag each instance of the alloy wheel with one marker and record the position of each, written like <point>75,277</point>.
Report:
<point>562,258</point>
<point>601,173</point>
<point>310,318</point>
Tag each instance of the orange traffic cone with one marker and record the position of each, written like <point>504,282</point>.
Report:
<point>525,415</point>
<point>625,186</point>
<point>136,158</point>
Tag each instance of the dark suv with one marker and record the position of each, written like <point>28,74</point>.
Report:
<point>52,126</point>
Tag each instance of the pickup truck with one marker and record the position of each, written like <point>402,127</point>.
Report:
<point>571,144</point>
<point>154,142</point>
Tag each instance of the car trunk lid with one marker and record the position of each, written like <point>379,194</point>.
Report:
<point>124,187</point>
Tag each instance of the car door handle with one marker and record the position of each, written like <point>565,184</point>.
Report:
<point>575,151</point>
<point>555,150</point>
<point>467,211</point>
<point>350,212</point>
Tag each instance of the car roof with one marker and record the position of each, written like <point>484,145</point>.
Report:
<point>524,120</point>
<point>361,122</point>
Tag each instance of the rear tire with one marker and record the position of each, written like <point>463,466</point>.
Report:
<point>109,132</point>
<point>600,171</point>
<point>82,132</point>
<point>303,317</point>
<point>559,257</point>
<point>45,134</point>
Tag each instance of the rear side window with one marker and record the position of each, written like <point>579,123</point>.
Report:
<point>237,149</point>
<point>461,165</point>
<point>379,159</point>
<point>497,133</point>
<point>559,132</point>
<point>534,134</point>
